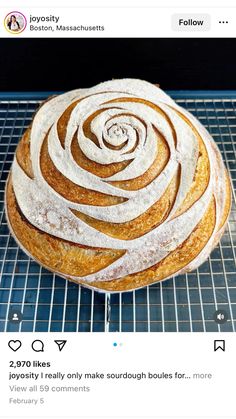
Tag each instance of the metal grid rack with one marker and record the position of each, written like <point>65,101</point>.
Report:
<point>185,303</point>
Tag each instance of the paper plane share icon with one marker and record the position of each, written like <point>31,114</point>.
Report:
<point>60,344</point>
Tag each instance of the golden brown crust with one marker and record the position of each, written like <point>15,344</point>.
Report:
<point>73,260</point>
<point>67,188</point>
<point>142,224</point>
<point>172,263</point>
<point>23,154</point>
<point>54,253</point>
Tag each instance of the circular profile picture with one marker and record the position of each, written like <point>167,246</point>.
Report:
<point>15,22</point>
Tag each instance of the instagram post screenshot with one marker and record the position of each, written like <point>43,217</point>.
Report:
<point>118,209</point>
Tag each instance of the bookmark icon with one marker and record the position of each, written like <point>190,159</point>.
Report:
<point>219,344</point>
<point>60,344</point>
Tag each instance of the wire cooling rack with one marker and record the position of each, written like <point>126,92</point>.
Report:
<point>185,303</point>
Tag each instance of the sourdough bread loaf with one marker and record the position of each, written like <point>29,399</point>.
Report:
<point>117,187</point>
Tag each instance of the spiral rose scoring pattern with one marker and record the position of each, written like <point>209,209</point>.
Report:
<point>121,150</point>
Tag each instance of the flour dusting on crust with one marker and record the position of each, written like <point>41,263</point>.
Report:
<point>126,118</point>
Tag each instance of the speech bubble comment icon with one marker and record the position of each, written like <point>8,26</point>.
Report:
<point>37,346</point>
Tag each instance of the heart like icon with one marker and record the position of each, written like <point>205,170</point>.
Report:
<point>14,345</point>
